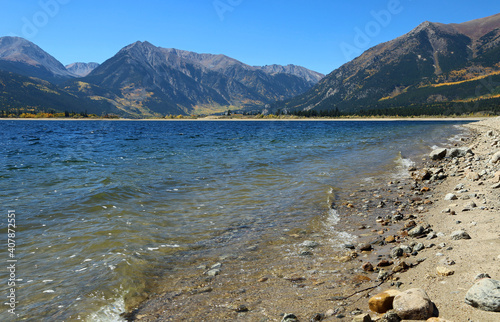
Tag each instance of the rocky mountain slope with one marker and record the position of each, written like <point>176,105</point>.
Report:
<point>23,57</point>
<point>433,64</point>
<point>143,80</point>
<point>81,69</point>
<point>160,81</point>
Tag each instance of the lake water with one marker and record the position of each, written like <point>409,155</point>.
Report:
<point>103,208</point>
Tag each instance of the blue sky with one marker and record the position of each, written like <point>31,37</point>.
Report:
<point>318,34</point>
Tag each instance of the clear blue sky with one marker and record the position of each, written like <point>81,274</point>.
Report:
<point>313,33</point>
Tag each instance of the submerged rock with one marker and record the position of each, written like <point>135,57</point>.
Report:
<point>485,295</point>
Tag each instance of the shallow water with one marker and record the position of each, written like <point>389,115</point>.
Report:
<point>104,208</point>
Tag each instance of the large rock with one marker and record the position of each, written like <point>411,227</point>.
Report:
<point>382,302</point>
<point>485,295</point>
<point>413,304</point>
<point>438,154</point>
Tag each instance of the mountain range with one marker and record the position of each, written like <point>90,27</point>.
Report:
<point>442,68</point>
<point>143,80</point>
<point>435,64</point>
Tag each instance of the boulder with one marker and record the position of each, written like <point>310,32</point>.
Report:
<point>485,295</point>
<point>413,304</point>
<point>459,234</point>
<point>382,302</point>
<point>438,154</point>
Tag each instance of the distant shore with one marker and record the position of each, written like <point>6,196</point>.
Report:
<point>259,119</point>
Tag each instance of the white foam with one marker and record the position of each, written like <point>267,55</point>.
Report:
<point>109,313</point>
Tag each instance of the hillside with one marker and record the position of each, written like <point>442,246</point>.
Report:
<point>433,65</point>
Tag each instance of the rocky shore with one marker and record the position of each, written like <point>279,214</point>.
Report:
<point>428,248</point>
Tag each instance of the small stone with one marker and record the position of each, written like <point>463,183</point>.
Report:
<point>418,247</point>
<point>390,239</point>
<point>317,317</point>
<point>443,271</point>
<point>305,253</point>
<point>382,275</point>
<point>362,318</point>
<point>473,176</point>
<point>368,267</point>
<point>459,234</point>
<point>437,320</point>
<point>413,304</point>
<point>382,302</point>
<point>310,244</point>
<point>495,186</point>
<point>384,263</point>
<point>241,308</point>
<point>417,231</point>
<point>431,235</point>
<point>390,316</point>
<point>421,175</point>
<point>459,187</point>
<point>495,158</point>
<point>450,196</point>
<point>213,272</point>
<point>263,279</point>
<point>485,295</point>
<point>289,318</point>
<point>400,267</point>
<point>438,154</point>
<point>365,247</point>
<point>396,252</point>
<point>481,276</point>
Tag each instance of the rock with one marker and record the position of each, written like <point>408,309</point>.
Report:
<point>390,316</point>
<point>413,304</point>
<point>443,271</point>
<point>431,235</point>
<point>459,234</point>
<point>396,252</point>
<point>495,158</point>
<point>390,239</point>
<point>485,295</point>
<point>437,320</point>
<point>241,308</point>
<point>368,267</point>
<point>310,244</point>
<point>382,275</point>
<point>400,267</point>
<point>421,175</point>
<point>406,249</point>
<point>417,231</point>
<point>473,176</point>
<point>384,263</point>
<point>495,186</point>
<point>438,154</point>
<point>362,318</point>
<point>382,302</point>
<point>317,317</point>
<point>481,276</point>
<point>365,247</point>
<point>459,187</point>
<point>450,196</point>
<point>213,272</point>
<point>289,318</point>
<point>418,247</point>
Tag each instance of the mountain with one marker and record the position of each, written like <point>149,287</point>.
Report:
<point>311,76</point>
<point>23,94</point>
<point>157,81</point>
<point>23,57</point>
<point>435,64</point>
<point>81,69</point>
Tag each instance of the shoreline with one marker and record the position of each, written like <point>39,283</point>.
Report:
<point>384,119</point>
<point>327,279</point>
